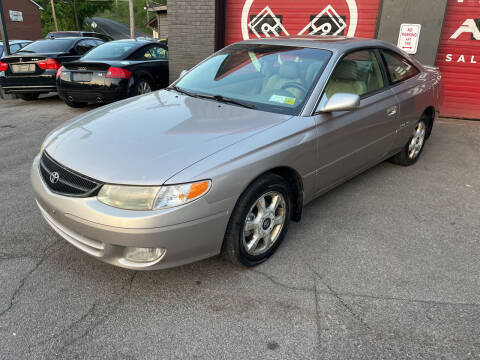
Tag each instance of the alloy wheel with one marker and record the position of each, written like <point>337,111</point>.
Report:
<point>264,223</point>
<point>418,138</point>
<point>144,88</point>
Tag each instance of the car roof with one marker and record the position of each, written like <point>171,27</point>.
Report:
<point>136,40</point>
<point>328,42</point>
<point>70,38</point>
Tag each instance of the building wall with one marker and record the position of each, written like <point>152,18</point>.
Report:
<point>191,33</point>
<point>28,29</point>
<point>429,14</point>
<point>163,26</point>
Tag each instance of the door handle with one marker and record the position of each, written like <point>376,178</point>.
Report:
<point>392,111</point>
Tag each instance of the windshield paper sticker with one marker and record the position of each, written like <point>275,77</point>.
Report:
<point>282,99</point>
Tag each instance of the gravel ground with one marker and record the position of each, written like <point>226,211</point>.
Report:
<point>385,266</point>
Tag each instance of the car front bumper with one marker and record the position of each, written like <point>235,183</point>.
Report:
<point>105,232</point>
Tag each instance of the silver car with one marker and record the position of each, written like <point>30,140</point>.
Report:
<point>224,158</point>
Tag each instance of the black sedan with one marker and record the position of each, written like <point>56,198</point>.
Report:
<point>114,71</point>
<point>31,71</point>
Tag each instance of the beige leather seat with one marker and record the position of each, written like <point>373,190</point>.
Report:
<point>287,73</point>
<point>312,72</point>
<point>345,79</point>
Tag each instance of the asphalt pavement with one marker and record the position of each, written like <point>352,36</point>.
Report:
<point>112,28</point>
<point>385,266</point>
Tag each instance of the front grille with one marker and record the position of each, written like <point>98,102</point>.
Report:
<point>67,182</point>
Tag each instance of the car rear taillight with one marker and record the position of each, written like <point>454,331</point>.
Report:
<point>48,64</point>
<point>118,73</point>
<point>3,66</point>
<point>59,71</point>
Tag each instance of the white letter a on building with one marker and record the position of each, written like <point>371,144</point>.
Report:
<point>468,26</point>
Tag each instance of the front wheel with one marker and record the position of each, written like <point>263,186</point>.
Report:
<point>259,221</point>
<point>414,147</point>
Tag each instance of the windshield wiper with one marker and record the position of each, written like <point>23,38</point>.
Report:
<point>25,51</point>
<point>221,98</point>
<point>218,98</point>
<point>181,91</point>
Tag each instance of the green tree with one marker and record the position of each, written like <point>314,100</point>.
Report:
<point>119,12</point>
<point>64,9</point>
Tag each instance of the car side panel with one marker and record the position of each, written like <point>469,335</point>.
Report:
<point>415,95</point>
<point>350,140</point>
<point>156,70</point>
<point>291,144</point>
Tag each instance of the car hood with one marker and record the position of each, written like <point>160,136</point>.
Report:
<point>147,139</point>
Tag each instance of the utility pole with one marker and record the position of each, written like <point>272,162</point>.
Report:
<point>77,24</point>
<point>3,30</point>
<point>146,8</point>
<point>54,16</point>
<point>132,19</point>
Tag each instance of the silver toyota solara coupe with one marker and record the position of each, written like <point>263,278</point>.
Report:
<point>224,158</point>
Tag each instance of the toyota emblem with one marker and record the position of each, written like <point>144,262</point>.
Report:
<point>54,176</point>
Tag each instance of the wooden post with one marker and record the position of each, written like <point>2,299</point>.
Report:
<point>132,19</point>
<point>77,24</point>
<point>54,16</point>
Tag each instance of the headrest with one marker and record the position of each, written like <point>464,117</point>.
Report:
<point>346,70</point>
<point>288,70</point>
<point>312,70</point>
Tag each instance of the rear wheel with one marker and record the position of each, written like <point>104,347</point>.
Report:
<point>75,104</point>
<point>143,87</point>
<point>259,221</point>
<point>29,96</point>
<point>414,147</point>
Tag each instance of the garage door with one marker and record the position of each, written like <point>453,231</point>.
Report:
<point>266,18</point>
<point>459,59</point>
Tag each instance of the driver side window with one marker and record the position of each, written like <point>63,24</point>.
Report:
<point>357,73</point>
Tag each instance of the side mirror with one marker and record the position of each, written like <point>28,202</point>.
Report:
<point>183,73</point>
<point>341,102</point>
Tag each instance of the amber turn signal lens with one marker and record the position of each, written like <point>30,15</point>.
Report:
<point>198,189</point>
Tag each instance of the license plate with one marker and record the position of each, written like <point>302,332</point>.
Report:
<point>82,76</point>
<point>23,68</point>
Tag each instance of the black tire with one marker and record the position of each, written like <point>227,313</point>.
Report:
<point>29,96</point>
<point>143,86</point>
<point>233,248</point>
<point>404,157</point>
<point>75,104</point>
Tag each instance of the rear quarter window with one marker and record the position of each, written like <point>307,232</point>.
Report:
<point>399,68</point>
<point>56,45</point>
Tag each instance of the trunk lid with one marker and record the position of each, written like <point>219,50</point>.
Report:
<point>80,74</point>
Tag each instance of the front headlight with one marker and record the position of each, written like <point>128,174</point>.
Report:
<point>151,197</point>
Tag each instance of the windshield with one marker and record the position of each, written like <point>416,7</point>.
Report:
<point>111,50</point>
<point>48,46</point>
<point>268,77</point>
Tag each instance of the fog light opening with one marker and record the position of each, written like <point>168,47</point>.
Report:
<point>143,255</point>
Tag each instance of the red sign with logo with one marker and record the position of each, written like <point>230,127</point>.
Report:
<point>250,19</point>
<point>459,59</point>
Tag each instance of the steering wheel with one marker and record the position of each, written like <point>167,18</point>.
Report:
<point>295,85</point>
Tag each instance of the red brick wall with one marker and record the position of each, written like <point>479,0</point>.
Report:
<point>28,29</point>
